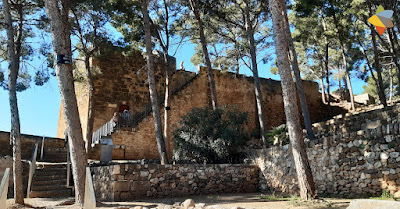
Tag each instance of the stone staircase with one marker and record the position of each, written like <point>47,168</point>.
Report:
<point>50,178</point>
<point>50,181</point>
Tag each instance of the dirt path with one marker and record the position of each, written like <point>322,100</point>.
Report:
<point>216,201</point>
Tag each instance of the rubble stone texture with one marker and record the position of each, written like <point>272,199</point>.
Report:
<point>132,181</point>
<point>353,156</point>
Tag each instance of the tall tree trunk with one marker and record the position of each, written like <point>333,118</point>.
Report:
<point>62,46</point>
<point>322,90</point>
<point>257,86</point>
<point>344,61</point>
<point>89,126</point>
<point>194,4</point>
<point>167,68</point>
<point>326,62</point>
<point>381,91</point>
<point>304,174</point>
<point>166,99</point>
<point>14,53</point>
<point>296,70</point>
<point>152,87</point>
<point>391,85</point>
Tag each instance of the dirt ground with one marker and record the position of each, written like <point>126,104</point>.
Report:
<point>247,201</point>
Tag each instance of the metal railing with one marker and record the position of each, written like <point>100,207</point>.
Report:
<point>90,197</point>
<point>4,189</point>
<point>41,150</point>
<point>32,168</point>
<point>128,119</point>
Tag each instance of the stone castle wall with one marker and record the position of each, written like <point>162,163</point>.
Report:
<point>123,80</point>
<point>132,181</point>
<point>354,155</point>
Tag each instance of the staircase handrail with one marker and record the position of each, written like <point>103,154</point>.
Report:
<point>41,150</point>
<point>4,189</point>
<point>135,118</point>
<point>32,168</point>
<point>90,197</point>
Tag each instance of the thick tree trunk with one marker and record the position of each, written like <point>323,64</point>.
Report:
<point>13,70</point>
<point>195,9</point>
<point>296,70</point>
<point>322,90</point>
<point>89,126</point>
<point>166,99</point>
<point>152,87</point>
<point>381,91</point>
<point>257,86</point>
<point>62,46</point>
<point>304,174</point>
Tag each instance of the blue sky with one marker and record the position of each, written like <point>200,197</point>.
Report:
<point>39,105</point>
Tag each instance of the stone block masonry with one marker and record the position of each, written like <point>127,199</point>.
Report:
<point>132,181</point>
<point>353,156</point>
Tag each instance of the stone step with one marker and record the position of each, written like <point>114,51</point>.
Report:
<point>50,177</point>
<point>48,187</point>
<point>51,193</point>
<point>51,170</point>
<point>47,182</point>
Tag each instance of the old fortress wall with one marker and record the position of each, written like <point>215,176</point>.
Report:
<point>123,81</point>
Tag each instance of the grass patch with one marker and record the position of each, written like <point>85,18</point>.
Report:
<point>384,196</point>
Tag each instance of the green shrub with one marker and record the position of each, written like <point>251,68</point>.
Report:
<point>278,135</point>
<point>205,135</point>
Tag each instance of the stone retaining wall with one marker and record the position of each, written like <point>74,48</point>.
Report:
<point>354,155</point>
<point>131,181</point>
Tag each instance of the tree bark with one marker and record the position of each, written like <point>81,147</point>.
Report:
<point>391,85</point>
<point>381,91</point>
<point>89,126</point>
<point>194,4</point>
<point>296,70</point>
<point>257,86</point>
<point>167,68</point>
<point>323,90</point>
<point>326,62</point>
<point>62,46</point>
<point>14,53</point>
<point>152,87</point>
<point>344,62</point>
<point>304,174</point>
<point>166,99</point>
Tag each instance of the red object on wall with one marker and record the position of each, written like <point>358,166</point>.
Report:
<point>123,107</point>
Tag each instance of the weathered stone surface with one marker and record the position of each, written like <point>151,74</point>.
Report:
<point>373,204</point>
<point>188,203</point>
<point>172,180</point>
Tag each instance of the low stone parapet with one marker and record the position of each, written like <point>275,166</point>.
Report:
<point>131,181</point>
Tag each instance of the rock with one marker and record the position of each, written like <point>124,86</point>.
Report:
<point>363,176</point>
<point>144,173</point>
<point>373,204</point>
<point>188,203</point>
<point>389,138</point>
<point>200,205</point>
<point>384,156</point>
<point>394,154</point>
<point>396,195</point>
<point>138,207</point>
<point>350,144</point>
<point>237,207</point>
<point>356,143</point>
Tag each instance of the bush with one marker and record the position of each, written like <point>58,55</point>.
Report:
<point>205,135</point>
